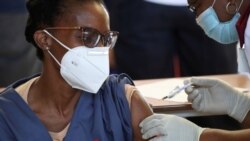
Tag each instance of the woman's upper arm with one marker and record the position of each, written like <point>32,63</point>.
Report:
<point>139,111</point>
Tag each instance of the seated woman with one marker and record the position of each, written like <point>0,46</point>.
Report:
<point>74,98</point>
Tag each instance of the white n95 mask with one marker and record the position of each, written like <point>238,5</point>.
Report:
<point>84,68</point>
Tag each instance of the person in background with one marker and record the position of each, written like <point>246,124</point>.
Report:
<point>218,18</point>
<point>17,56</point>
<point>74,98</point>
<point>160,38</point>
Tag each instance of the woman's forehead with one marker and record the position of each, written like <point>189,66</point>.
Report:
<point>86,14</point>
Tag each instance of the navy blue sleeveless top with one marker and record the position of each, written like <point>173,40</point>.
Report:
<point>104,116</point>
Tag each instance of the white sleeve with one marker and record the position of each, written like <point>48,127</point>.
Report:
<point>247,41</point>
<point>242,60</point>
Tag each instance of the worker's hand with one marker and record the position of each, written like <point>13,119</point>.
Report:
<point>218,97</point>
<point>159,127</point>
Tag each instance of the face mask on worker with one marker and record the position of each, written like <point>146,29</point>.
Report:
<point>222,32</point>
<point>82,67</point>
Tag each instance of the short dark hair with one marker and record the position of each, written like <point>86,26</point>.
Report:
<point>44,13</point>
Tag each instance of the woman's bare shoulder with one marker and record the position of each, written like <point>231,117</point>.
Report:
<point>139,108</point>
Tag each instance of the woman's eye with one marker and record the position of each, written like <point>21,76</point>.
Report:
<point>86,38</point>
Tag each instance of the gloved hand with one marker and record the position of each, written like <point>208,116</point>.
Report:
<point>169,128</point>
<point>216,96</point>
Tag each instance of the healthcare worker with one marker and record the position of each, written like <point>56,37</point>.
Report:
<point>218,19</point>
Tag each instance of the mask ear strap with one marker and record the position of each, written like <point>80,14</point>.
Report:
<point>53,57</point>
<point>240,5</point>
<point>213,3</point>
<point>56,40</point>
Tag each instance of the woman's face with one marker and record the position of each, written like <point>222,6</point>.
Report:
<point>219,7</point>
<point>90,14</point>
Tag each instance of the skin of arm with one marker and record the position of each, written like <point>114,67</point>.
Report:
<point>246,122</point>
<point>139,111</point>
<point>223,135</point>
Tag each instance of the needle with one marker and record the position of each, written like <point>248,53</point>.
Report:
<point>176,90</point>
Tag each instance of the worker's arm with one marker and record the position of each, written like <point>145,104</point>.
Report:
<point>246,122</point>
<point>161,127</point>
<point>223,135</point>
<point>218,97</point>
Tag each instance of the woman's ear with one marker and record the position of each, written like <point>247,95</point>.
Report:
<point>42,40</point>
